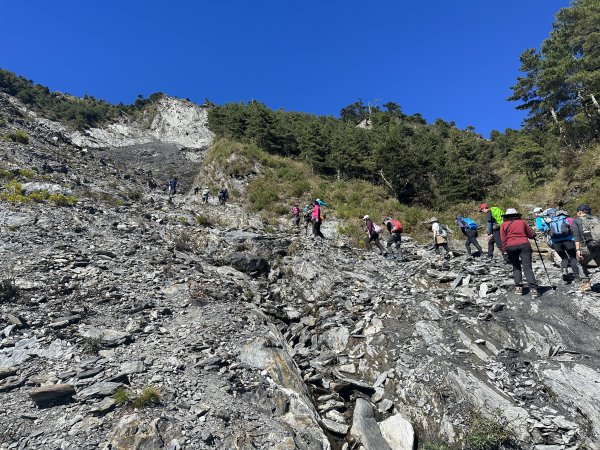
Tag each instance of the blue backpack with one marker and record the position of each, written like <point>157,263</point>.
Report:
<point>470,223</point>
<point>559,227</point>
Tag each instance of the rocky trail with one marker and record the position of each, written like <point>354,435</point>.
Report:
<point>255,339</point>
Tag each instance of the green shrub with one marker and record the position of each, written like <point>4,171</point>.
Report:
<point>91,346</point>
<point>62,200</point>
<point>486,434</point>
<point>39,196</point>
<point>4,173</point>
<point>121,397</point>
<point>27,173</point>
<point>150,396</point>
<point>203,220</point>
<point>19,136</point>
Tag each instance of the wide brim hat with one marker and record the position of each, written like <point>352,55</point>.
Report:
<point>432,220</point>
<point>511,212</point>
<point>366,217</point>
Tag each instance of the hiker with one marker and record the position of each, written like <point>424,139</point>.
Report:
<point>374,231</point>
<point>468,227</point>
<point>172,187</point>
<point>540,223</point>
<point>296,214</point>
<point>560,235</point>
<point>205,194</point>
<point>395,229</point>
<point>196,190</point>
<point>586,232</point>
<point>515,234</point>
<point>307,211</point>
<point>493,218</point>
<point>223,196</point>
<point>317,218</point>
<point>440,236</point>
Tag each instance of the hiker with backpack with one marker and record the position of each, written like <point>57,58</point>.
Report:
<point>205,194</point>
<point>317,219</point>
<point>223,196</point>
<point>515,234</point>
<point>560,234</point>
<point>307,214</point>
<point>586,232</point>
<point>296,214</point>
<point>468,227</point>
<point>440,236</point>
<point>395,229</point>
<point>493,219</point>
<point>373,231</point>
<point>172,187</point>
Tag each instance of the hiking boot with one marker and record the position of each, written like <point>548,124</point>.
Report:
<point>586,285</point>
<point>519,290</point>
<point>565,275</point>
<point>534,293</point>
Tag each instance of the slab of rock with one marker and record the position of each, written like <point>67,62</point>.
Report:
<point>7,372</point>
<point>398,432</point>
<point>249,263</point>
<point>108,337</point>
<point>44,394</point>
<point>99,390</point>
<point>103,407</point>
<point>335,427</point>
<point>365,428</point>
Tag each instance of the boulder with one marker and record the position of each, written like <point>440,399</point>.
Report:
<point>398,432</point>
<point>365,428</point>
<point>249,263</point>
<point>51,392</point>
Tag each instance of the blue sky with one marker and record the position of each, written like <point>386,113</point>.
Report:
<point>450,59</point>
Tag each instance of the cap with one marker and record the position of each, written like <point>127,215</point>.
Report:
<point>511,212</point>
<point>537,210</point>
<point>483,206</point>
<point>585,208</point>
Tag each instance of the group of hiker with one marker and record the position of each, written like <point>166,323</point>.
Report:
<point>575,240</point>
<point>222,196</point>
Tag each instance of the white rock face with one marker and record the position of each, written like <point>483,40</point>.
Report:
<point>398,432</point>
<point>176,121</point>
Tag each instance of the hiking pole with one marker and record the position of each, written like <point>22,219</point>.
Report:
<point>543,263</point>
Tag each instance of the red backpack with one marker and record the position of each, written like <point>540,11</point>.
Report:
<point>397,226</point>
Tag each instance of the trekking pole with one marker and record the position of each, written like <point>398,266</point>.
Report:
<point>543,264</point>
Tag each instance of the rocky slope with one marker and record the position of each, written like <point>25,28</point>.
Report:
<point>262,340</point>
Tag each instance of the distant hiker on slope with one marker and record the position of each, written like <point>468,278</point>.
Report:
<point>172,187</point>
<point>307,213</point>
<point>493,219</point>
<point>205,194</point>
<point>395,228</point>
<point>440,236</point>
<point>515,234</point>
<point>223,196</point>
<point>560,236</point>
<point>373,231</point>
<point>586,232</point>
<point>468,227</point>
<point>196,190</point>
<point>296,214</point>
<point>317,219</point>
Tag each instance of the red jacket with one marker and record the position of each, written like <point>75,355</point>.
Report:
<point>515,232</point>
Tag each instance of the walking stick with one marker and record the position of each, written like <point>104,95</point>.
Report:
<point>544,264</point>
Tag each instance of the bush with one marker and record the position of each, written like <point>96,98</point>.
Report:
<point>121,397</point>
<point>150,396</point>
<point>39,196</point>
<point>486,434</point>
<point>91,346</point>
<point>19,136</point>
<point>62,200</point>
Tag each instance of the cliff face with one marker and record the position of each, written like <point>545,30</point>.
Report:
<point>171,120</point>
<point>257,339</point>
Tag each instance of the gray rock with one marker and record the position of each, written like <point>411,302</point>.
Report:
<point>44,394</point>
<point>335,427</point>
<point>98,390</point>
<point>365,428</point>
<point>249,263</point>
<point>398,432</point>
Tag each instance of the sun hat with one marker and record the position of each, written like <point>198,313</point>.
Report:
<point>537,210</point>
<point>511,212</point>
<point>433,220</point>
<point>562,212</point>
<point>366,217</point>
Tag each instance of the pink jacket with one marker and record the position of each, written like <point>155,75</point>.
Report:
<point>316,213</point>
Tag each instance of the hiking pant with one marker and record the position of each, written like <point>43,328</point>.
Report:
<point>472,239</point>
<point>205,199</point>
<point>375,238</point>
<point>568,255</point>
<point>495,240</point>
<point>306,224</point>
<point>443,245</point>
<point>395,238</point>
<point>297,220</point>
<point>588,254</point>
<point>317,230</point>
<point>520,258</point>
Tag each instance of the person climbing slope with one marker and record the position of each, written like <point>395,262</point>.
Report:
<point>205,194</point>
<point>468,227</point>
<point>560,235</point>
<point>317,219</point>
<point>296,214</point>
<point>493,219</point>
<point>515,234</point>
<point>586,232</point>
<point>373,231</point>
<point>395,229</point>
<point>307,212</point>
<point>440,236</point>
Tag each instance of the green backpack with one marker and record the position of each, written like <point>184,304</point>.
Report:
<point>497,214</point>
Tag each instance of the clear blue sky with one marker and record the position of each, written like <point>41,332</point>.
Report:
<point>450,59</point>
